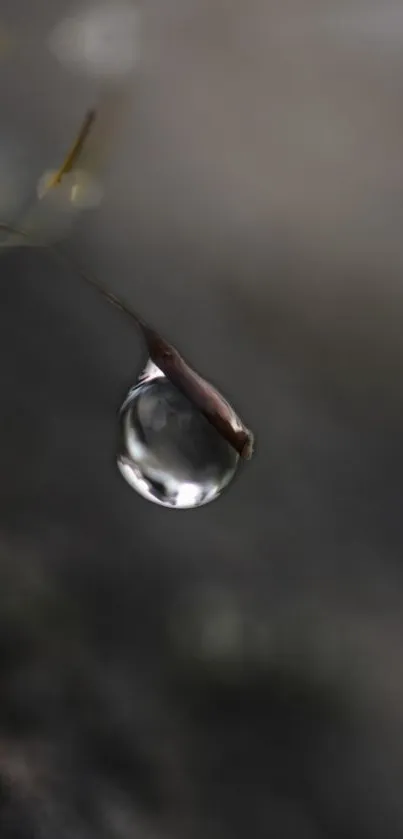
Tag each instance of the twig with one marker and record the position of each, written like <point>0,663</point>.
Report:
<point>74,153</point>
<point>164,355</point>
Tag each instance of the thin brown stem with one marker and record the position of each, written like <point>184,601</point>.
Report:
<point>74,152</point>
<point>200,392</point>
<point>167,358</point>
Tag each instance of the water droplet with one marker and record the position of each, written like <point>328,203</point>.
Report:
<point>77,189</point>
<point>168,452</point>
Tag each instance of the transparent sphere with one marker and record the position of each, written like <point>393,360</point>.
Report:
<point>168,452</point>
<point>79,189</point>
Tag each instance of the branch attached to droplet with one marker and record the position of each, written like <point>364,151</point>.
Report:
<point>201,393</point>
<point>74,152</point>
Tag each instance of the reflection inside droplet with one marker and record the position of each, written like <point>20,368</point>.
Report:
<point>168,452</point>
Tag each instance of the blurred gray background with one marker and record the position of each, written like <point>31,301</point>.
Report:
<point>233,671</point>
